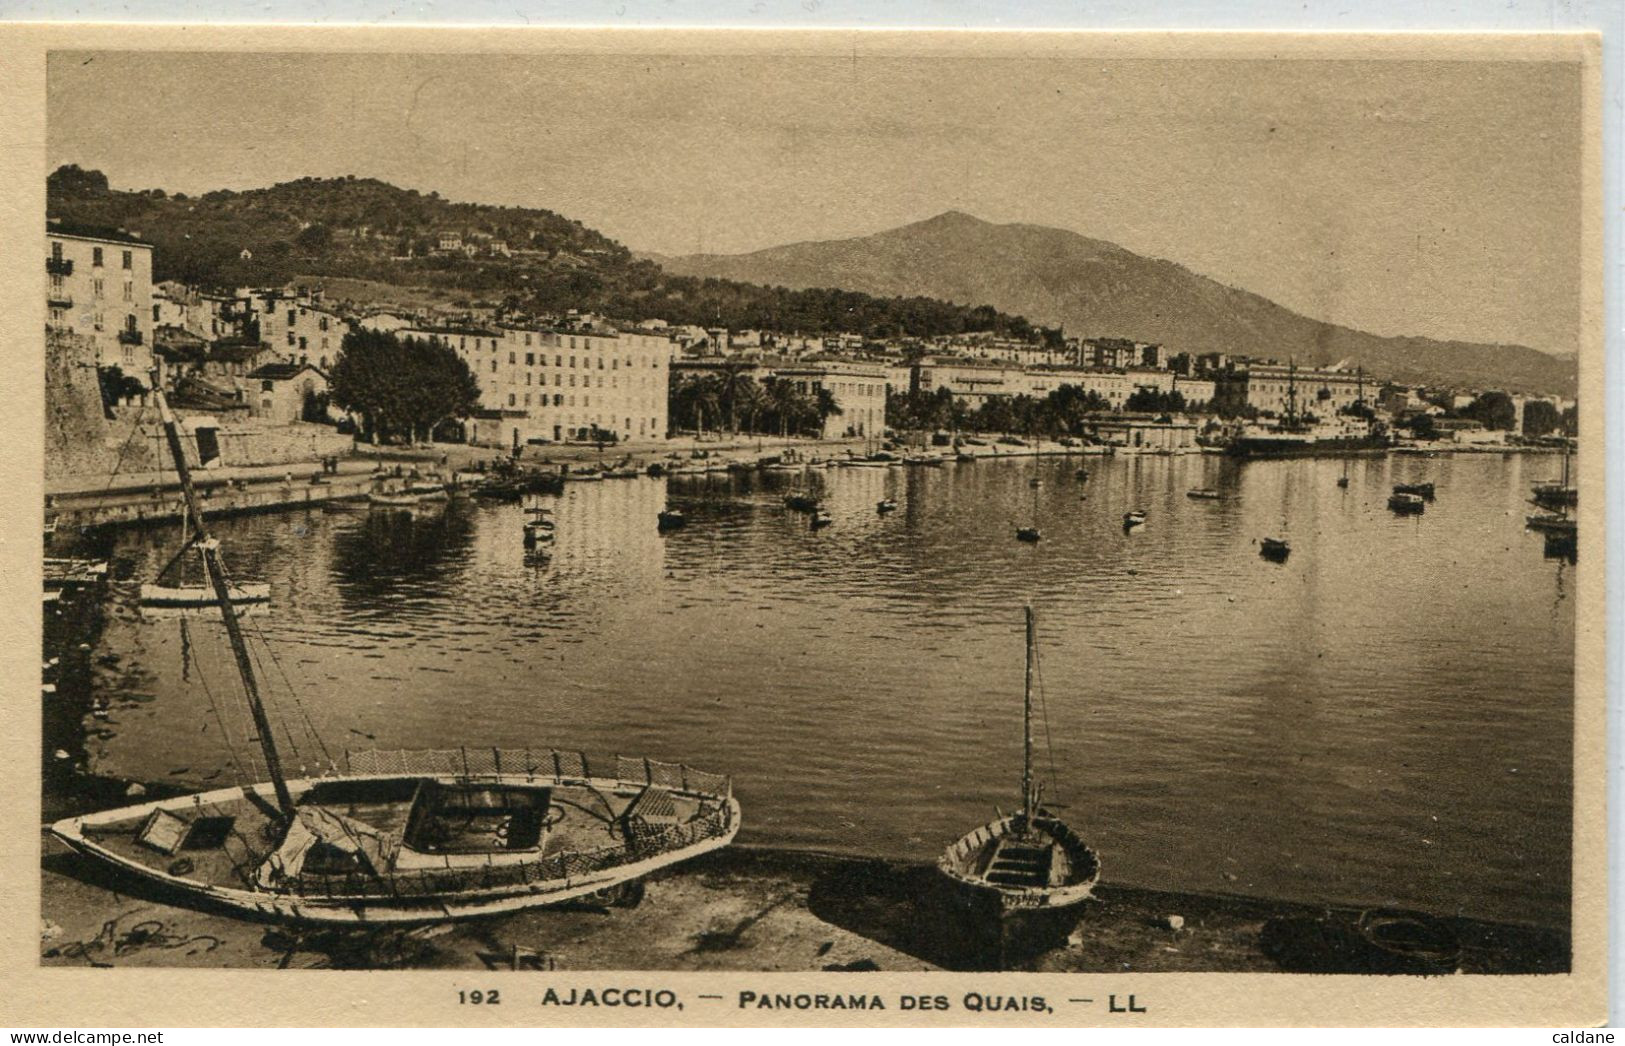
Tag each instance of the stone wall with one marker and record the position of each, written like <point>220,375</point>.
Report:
<point>76,430</point>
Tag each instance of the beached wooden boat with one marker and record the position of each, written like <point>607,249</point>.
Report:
<point>1030,861</point>
<point>395,837</point>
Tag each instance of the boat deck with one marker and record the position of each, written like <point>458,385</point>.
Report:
<point>397,826</point>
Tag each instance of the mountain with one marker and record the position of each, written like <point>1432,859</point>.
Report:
<point>1096,288</point>
<point>529,259</point>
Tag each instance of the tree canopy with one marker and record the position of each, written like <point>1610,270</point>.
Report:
<point>401,388</point>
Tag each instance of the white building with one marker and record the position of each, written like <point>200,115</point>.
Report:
<point>99,286</point>
<point>561,385</point>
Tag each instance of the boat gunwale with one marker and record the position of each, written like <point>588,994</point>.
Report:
<point>1020,896</point>
<point>389,906</point>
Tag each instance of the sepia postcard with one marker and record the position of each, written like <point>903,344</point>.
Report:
<point>819,528</point>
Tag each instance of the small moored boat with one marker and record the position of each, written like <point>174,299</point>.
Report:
<point>671,519</point>
<point>1421,490</point>
<point>1030,861</point>
<point>1027,534</point>
<point>820,518</point>
<point>1203,494</point>
<point>1274,548</point>
<point>1133,519</point>
<point>885,505</point>
<point>1407,504</point>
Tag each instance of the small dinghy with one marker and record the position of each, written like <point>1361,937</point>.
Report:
<point>671,519</point>
<point>820,518</point>
<point>1407,504</point>
<point>1031,861</point>
<point>1421,490</point>
<point>1203,494</point>
<point>800,501</point>
<point>1027,534</point>
<point>1133,519</point>
<point>394,499</point>
<point>885,505</point>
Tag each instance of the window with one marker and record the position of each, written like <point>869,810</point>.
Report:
<point>527,377</point>
<point>293,318</point>
<point>527,342</point>
<point>96,256</point>
<point>558,361</point>
<point>572,358</point>
<point>96,287</point>
<point>527,399</point>
<point>129,259</point>
<point>493,366</point>
<point>56,251</point>
<point>302,344</point>
<point>155,314</point>
<point>291,338</point>
<point>321,324</point>
<point>510,399</point>
<point>530,357</point>
<point>513,358</point>
<point>129,291</point>
<point>558,401</point>
<point>572,381</point>
<point>600,363</point>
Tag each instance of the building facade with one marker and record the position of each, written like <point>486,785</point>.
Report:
<point>582,385</point>
<point>1279,389</point>
<point>99,286</point>
<point>859,390</point>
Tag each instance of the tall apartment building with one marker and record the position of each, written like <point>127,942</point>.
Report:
<point>99,286</point>
<point>571,384</point>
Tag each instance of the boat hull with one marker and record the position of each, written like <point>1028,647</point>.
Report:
<point>199,596</point>
<point>387,905</point>
<point>959,865</point>
<point>1253,447</point>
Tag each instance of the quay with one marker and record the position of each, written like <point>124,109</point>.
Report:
<point>748,908</point>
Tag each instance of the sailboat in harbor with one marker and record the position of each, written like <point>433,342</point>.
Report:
<point>1030,861</point>
<point>1562,494</point>
<point>405,836</point>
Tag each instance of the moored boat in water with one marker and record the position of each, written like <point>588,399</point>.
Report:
<point>1404,503</point>
<point>1274,548</point>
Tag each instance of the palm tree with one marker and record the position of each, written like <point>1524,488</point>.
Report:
<point>825,406</point>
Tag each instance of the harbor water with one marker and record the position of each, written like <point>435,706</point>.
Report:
<point>1384,718</point>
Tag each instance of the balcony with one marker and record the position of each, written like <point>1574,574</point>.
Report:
<point>59,300</point>
<point>128,337</point>
<point>59,266</point>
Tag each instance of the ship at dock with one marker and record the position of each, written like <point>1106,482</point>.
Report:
<point>1299,434</point>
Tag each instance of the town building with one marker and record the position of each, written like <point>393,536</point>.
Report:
<point>277,392</point>
<point>99,286</point>
<point>1143,432</point>
<point>566,384</point>
<point>1279,389</point>
<point>301,330</point>
<point>859,390</point>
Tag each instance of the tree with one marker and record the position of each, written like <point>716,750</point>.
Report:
<point>116,386</point>
<point>825,406</point>
<point>1154,401</point>
<point>1540,418</point>
<point>401,388</point>
<point>1494,410</point>
<point>1421,426</point>
<point>315,238</point>
<point>72,180</point>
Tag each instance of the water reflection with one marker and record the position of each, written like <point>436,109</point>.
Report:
<point>1342,726</point>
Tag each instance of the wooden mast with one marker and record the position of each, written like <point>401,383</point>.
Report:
<point>1027,804</point>
<point>222,594</point>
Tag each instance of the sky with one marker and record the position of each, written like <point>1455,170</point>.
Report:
<point>1400,197</point>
